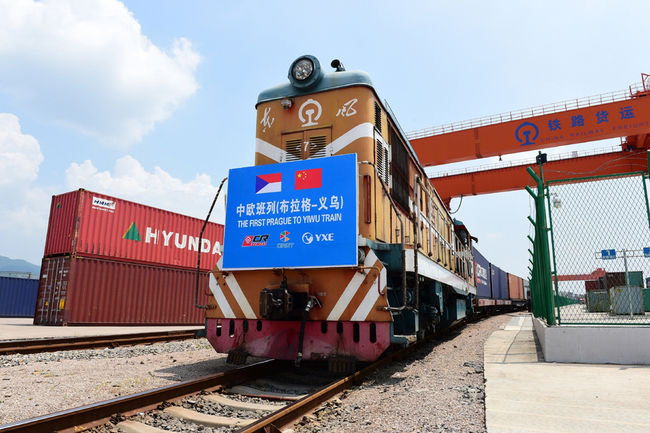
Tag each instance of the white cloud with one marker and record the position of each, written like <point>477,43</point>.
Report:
<point>20,154</point>
<point>24,210</point>
<point>130,181</point>
<point>87,65</point>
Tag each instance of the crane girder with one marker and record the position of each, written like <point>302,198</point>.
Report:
<point>628,117</point>
<point>516,178</point>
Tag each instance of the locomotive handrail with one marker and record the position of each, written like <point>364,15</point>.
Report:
<point>198,261</point>
<point>401,221</point>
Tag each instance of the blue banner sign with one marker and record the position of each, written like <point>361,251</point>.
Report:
<point>646,252</point>
<point>608,254</point>
<point>300,214</point>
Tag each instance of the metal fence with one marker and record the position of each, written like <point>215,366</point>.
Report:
<point>600,249</point>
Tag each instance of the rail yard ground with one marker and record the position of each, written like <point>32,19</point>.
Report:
<point>438,388</point>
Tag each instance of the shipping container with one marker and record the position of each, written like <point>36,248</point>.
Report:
<point>515,288</point>
<point>499,282</point>
<point>527,289</point>
<point>598,301</point>
<point>482,275</point>
<point>617,279</point>
<point>17,297</point>
<point>90,224</point>
<point>19,274</point>
<point>90,291</point>
<point>626,300</point>
<point>592,285</point>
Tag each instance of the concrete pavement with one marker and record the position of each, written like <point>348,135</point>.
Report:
<point>23,328</point>
<point>526,394</point>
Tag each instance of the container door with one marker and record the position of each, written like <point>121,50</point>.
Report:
<point>52,291</point>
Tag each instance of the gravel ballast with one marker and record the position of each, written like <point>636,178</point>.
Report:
<point>439,388</point>
<point>44,383</point>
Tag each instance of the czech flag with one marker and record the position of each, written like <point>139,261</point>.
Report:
<point>306,179</point>
<point>268,183</point>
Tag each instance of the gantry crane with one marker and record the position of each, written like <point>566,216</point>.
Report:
<point>624,114</point>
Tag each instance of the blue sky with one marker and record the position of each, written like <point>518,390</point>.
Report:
<point>153,101</point>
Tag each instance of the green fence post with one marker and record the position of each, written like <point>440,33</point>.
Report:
<point>536,292</point>
<point>542,254</point>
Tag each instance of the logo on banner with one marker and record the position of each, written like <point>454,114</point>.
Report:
<point>255,241</point>
<point>307,179</point>
<point>284,236</point>
<point>265,183</point>
<point>308,238</point>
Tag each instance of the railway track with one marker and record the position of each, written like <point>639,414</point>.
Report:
<point>85,417</point>
<point>172,400</point>
<point>11,347</point>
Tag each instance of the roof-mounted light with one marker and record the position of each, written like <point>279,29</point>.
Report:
<point>305,71</point>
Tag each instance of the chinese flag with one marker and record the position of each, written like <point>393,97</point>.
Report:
<point>306,179</point>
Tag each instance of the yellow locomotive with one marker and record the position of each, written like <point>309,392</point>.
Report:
<point>336,245</point>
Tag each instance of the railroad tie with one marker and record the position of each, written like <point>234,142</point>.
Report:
<point>240,404</point>
<point>207,420</point>
<point>252,392</point>
<point>137,427</point>
<point>281,386</point>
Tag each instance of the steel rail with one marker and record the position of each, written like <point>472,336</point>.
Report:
<point>95,414</point>
<point>10,347</point>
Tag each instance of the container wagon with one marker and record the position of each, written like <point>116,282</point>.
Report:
<point>516,291</point>
<point>483,281</point>
<point>499,285</point>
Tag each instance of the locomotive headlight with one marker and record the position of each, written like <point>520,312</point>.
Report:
<point>305,72</point>
<point>302,69</point>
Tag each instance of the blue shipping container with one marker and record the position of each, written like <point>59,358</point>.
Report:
<point>499,283</point>
<point>17,297</point>
<point>482,273</point>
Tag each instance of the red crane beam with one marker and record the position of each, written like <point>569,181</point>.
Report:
<point>600,272</point>
<point>516,178</point>
<point>628,115</point>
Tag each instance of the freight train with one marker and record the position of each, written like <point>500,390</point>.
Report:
<point>497,290</point>
<point>336,244</point>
